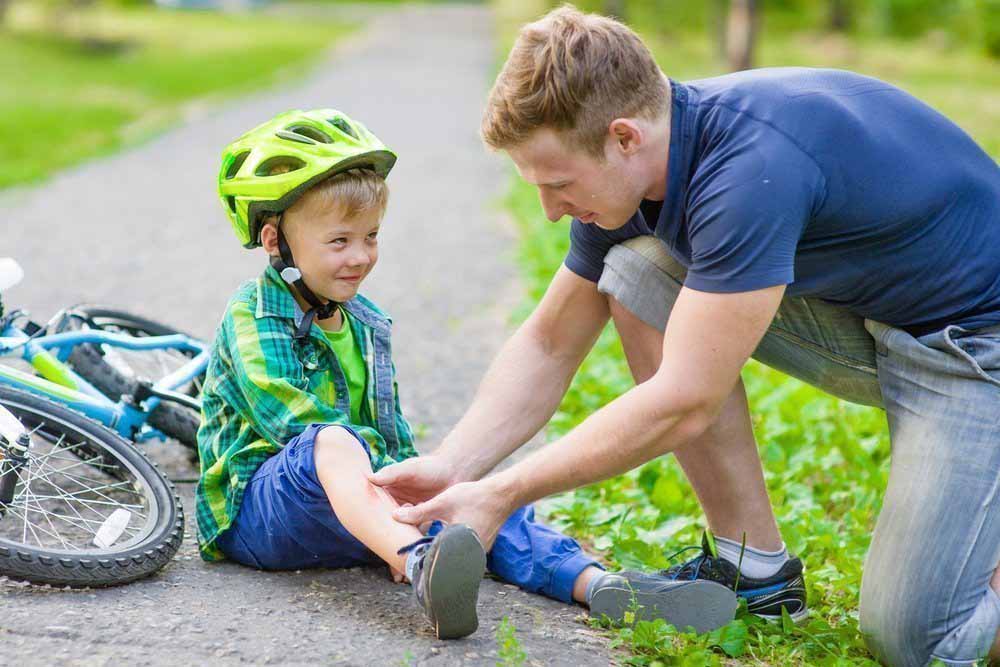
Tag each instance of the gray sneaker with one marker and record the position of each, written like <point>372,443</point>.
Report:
<point>446,580</point>
<point>700,604</point>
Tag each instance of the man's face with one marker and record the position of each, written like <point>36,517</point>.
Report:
<point>334,254</point>
<point>570,182</point>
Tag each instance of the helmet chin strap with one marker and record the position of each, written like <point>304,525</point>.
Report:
<point>285,266</point>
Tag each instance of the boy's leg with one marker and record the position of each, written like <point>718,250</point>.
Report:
<point>542,560</point>
<point>364,509</point>
<point>926,589</point>
<point>308,505</point>
<point>537,558</point>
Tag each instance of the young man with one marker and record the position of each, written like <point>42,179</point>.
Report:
<point>826,223</point>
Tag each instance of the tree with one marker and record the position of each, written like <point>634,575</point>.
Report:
<point>741,33</point>
<point>615,8</point>
<point>840,15</point>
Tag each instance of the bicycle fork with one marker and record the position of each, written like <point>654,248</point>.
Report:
<point>14,444</point>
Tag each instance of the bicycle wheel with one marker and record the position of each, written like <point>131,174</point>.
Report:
<point>80,520</point>
<point>115,371</point>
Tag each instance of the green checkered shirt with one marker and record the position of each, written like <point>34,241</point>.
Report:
<point>263,387</point>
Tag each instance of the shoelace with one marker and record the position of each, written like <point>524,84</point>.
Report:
<point>426,540</point>
<point>691,567</point>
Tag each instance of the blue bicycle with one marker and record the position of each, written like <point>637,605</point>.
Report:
<point>79,503</point>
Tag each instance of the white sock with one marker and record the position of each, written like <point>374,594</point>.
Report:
<point>755,564</point>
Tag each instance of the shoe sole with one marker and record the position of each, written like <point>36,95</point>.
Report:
<point>702,605</point>
<point>453,586</point>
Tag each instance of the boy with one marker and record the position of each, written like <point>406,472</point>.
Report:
<point>300,402</point>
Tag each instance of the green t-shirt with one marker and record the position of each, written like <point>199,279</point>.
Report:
<point>349,355</point>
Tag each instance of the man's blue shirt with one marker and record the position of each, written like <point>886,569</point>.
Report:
<point>840,186</point>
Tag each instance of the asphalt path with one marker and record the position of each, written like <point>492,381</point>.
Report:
<point>143,230</point>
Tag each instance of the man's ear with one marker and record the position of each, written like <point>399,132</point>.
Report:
<point>626,134</point>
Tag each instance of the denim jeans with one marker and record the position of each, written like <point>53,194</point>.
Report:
<point>925,593</point>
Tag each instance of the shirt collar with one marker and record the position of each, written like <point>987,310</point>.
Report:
<point>679,157</point>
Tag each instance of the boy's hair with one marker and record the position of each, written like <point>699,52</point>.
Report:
<point>573,72</point>
<point>351,193</point>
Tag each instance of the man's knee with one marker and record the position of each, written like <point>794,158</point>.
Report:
<point>910,628</point>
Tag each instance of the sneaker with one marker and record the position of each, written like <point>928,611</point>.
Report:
<point>765,597</point>
<point>699,604</point>
<point>446,579</point>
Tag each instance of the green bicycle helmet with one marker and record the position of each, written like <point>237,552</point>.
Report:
<point>267,169</point>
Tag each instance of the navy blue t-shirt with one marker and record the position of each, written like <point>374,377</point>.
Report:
<point>840,186</point>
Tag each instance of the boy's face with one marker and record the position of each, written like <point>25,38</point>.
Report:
<point>334,254</point>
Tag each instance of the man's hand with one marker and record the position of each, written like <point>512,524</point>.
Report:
<point>476,504</point>
<point>416,480</point>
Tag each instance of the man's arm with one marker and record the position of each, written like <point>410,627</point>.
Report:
<point>529,377</point>
<point>518,395</point>
<point>708,339</point>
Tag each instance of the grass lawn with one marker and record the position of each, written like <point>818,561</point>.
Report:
<point>826,461</point>
<point>111,77</point>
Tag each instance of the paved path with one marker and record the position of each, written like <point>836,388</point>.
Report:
<point>143,230</point>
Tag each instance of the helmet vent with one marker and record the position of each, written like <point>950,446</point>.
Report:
<point>231,200</point>
<point>235,165</point>
<point>295,136</point>
<point>344,127</point>
<point>313,133</point>
<point>280,164</point>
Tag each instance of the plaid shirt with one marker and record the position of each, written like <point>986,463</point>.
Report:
<point>263,387</point>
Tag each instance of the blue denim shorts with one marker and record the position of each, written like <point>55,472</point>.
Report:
<point>286,523</point>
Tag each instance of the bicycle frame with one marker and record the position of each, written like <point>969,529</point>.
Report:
<point>59,382</point>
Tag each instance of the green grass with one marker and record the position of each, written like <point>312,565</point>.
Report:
<point>826,461</point>
<point>108,78</point>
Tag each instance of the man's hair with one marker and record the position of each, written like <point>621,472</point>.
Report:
<point>351,193</point>
<point>575,73</point>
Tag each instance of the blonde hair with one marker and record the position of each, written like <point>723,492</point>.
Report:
<point>351,193</point>
<point>575,73</point>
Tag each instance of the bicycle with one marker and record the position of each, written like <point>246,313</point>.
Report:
<point>79,504</point>
<point>137,376</point>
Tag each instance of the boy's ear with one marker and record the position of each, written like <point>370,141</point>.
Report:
<point>269,238</point>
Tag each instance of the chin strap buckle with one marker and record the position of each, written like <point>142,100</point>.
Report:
<point>291,275</point>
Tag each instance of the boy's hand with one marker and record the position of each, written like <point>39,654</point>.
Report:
<point>415,480</point>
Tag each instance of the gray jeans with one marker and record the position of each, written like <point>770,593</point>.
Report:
<point>925,592</point>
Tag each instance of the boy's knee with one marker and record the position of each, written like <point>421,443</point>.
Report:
<point>335,442</point>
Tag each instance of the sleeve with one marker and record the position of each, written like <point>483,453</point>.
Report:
<point>588,244</point>
<point>278,403</point>
<point>746,214</point>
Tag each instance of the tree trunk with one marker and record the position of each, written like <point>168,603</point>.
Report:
<point>840,15</point>
<point>615,8</point>
<point>4,5</point>
<point>741,33</point>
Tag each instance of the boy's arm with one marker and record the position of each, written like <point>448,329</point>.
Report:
<point>278,402</point>
<point>518,395</point>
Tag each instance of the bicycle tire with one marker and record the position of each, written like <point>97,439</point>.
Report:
<point>176,421</point>
<point>144,553</point>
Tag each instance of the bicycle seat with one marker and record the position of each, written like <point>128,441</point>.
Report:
<point>10,273</point>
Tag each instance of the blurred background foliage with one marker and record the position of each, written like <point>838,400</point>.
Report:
<point>85,77</point>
